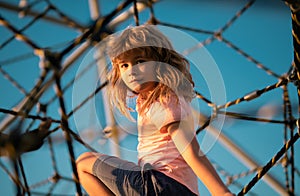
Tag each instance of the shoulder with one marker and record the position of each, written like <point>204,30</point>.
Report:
<point>173,109</point>
<point>176,104</point>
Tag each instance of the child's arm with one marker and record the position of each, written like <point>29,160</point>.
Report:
<point>187,144</point>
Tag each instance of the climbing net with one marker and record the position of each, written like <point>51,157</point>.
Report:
<point>33,133</point>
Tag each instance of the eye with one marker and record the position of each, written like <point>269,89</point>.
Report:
<point>140,61</point>
<point>123,66</point>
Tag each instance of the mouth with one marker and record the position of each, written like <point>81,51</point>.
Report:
<point>134,80</point>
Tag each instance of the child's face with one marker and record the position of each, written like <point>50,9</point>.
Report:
<point>138,72</point>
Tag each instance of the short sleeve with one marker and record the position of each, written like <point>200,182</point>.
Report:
<point>175,110</point>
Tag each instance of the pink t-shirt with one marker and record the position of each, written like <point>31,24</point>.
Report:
<point>157,148</point>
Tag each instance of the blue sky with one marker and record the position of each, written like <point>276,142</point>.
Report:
<point>263,32</point>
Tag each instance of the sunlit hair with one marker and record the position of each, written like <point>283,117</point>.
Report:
<point>172,69</point>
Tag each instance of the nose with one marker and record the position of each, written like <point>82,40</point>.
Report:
<point>132,71</point>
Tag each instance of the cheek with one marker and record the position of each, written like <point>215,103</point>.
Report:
<point>149,68</point>
<point>124,77</point>
<point>153,72</point>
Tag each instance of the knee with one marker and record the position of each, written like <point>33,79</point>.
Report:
<point>85,162</point>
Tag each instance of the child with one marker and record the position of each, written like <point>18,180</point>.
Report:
<point>145,65</point>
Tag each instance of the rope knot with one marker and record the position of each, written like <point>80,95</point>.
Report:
<point>49,60</point>
<point>292,77</point>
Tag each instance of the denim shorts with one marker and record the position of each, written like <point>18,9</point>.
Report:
<point>126,178</point>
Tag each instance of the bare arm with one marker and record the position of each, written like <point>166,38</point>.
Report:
<point>187,144</point>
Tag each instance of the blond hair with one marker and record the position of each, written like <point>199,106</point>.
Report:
<point>172,70</point>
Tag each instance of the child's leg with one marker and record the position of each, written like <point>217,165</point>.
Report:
<point>91,184</point>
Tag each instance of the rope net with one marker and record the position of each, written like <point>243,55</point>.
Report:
<point>39,141</point>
